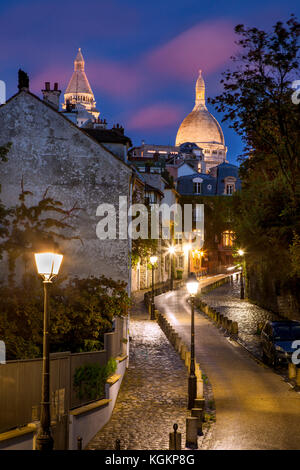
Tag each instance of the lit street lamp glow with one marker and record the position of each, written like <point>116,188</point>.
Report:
<point>192,285</point>
<point>153,259</point>
<point>172,250</point>
<point>241,252</point>
<point>48,265</point>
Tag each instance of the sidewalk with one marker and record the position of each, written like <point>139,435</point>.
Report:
<point>153,395</point>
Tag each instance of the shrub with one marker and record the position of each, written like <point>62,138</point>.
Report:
<point>179,274</point>
<point>89,380</point>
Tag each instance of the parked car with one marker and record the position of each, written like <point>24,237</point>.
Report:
<point>277,338</point>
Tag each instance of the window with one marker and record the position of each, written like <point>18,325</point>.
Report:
<point>230,188</point>
<point>150,197</point>
<point>229,185</point>
<point>227,238</point>
<point>197,188</point>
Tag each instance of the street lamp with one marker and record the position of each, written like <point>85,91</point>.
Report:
<point>48,265</point>
<point>241,254</point>
<point>153,260</point>
<point>192,287</point>
<point>172,252</point>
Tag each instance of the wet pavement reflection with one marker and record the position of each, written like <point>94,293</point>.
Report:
<point>226,300</point>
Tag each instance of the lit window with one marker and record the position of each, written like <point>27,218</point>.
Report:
<point>227,238</point>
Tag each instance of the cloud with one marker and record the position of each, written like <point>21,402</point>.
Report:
<point>58,73</point>
<point>156,116</point>
<point>116,79</point>
<point>207,45</point>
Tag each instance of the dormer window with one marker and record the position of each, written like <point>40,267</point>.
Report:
<point>229,185</point>
<point>229,188</point>
<point>197,188</point>
<point>197,184</point>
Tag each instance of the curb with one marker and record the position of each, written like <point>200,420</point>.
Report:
<point>202,385</point>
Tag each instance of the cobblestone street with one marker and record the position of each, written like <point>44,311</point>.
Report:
<point>226,300</point>
<point>153,395</point>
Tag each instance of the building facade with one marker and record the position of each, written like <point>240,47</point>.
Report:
<point>50,152</point>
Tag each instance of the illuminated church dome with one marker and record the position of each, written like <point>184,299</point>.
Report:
<point>201,128</point>
<point>79,96</point>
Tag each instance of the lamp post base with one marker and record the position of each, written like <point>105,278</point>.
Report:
<point>242,292</point>
<point>192,391</point>
<point>44,441</point>
<point>152,316</point>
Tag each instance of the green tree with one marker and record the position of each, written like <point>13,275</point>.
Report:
<point>81,311</point>
<point>257,102</point>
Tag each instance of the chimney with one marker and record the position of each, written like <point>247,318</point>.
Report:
<point>51,96</point>
<point>99,124</point>
<point>23,81</point>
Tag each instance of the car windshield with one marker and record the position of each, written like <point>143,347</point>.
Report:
<point>286,332</point>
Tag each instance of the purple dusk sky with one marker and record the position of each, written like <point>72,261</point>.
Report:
<point>142,57</point>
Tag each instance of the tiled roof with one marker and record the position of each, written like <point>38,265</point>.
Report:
<point>108,136</point>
